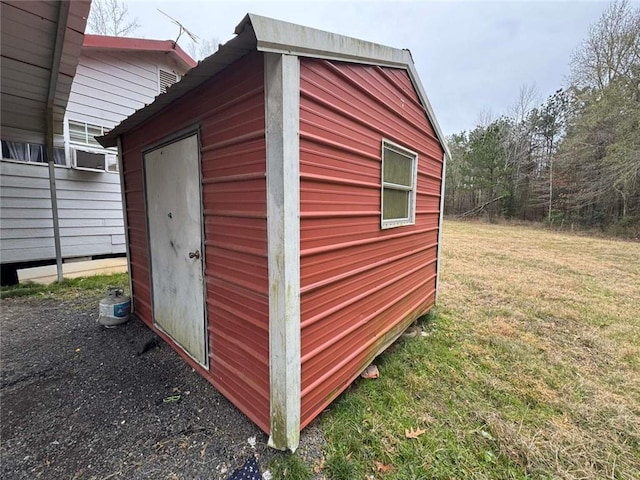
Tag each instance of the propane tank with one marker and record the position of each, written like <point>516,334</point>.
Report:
<point>114,308</point>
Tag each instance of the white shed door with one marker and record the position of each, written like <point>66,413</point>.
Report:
<point>174,204</point>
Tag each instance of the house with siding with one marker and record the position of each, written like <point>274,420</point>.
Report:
<point>113,77</point>
<point>292,185</point>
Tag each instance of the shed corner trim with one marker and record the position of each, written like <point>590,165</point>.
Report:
<point>282,118</point>
<point>440,220</point>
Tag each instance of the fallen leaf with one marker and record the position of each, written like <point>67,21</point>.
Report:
<point>486,435</point>
<point>411,433</point>
<point>370,372</point>
<point>426,418</point>
<point>318,466</point>
<point>381,467</point>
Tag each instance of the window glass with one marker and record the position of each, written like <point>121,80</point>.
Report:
<point>397,168</point>
<point>85,133</point>
<point>92,132</point>
<point>398,185</point>
<point>77,132</point>
<point>15,150</point>
<point>395,204</point>
<point>36,153</point>
<point>59,157</point>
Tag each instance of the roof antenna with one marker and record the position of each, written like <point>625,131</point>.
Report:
<point>184,29</point>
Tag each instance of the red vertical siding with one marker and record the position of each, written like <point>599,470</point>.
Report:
<point>360,285</point>
<point>230,111</point>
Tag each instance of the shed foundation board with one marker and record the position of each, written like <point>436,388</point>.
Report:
<point>47,274</point>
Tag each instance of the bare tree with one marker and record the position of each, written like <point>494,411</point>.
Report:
<point>528,97</point>
<point>203,48</point>
<point>110,17</point>
<point>611,50</point>
<point>486,117</point>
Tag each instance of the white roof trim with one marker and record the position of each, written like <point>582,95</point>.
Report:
<point>289,38</point>
<point>264,34</point>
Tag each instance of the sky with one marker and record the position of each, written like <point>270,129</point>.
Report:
<point>473,57</point>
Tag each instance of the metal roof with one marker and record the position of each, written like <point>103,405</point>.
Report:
<point>41,44</point>
<point>264,34</point>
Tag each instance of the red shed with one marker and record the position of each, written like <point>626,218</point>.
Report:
<point>283,212</point>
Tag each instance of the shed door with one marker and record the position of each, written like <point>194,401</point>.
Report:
<point>174,204</point>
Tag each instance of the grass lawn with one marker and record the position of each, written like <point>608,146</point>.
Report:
<point>530,368</point>
<point>69,288</point>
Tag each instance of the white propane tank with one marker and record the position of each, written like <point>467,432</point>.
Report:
<point>114,308</point>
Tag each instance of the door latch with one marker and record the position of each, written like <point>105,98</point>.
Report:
<point>195,254</point>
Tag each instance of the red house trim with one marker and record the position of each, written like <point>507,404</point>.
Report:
<point>103,42</point>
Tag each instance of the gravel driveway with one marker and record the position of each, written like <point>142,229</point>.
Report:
<point>80,401</point>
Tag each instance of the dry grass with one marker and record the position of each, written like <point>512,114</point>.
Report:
<point>530,369</point>
<point>556,319</point>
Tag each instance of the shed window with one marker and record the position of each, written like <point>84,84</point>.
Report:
<point>30,152</point>
<point>399,170</point>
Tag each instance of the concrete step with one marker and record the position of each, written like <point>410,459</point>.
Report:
<point>48,274</point>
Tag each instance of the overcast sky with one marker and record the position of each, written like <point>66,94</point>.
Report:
<point>472,56</point>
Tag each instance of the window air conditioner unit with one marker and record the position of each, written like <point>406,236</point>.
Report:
<point>93,161</point>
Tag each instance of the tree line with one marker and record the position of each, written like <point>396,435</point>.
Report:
<point>572,161</point>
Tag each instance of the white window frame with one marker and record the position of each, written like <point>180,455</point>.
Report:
<point>413,156</point>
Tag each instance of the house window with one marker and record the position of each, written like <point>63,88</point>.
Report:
<point>30,152</point>
<point>166,79</point>
<point>399,171</point>
<point>84,133</point>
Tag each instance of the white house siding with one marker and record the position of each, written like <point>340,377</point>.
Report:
<point>88,205</point>
<point>108,87</point>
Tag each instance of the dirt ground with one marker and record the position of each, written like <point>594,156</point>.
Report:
<point>79,401</point>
